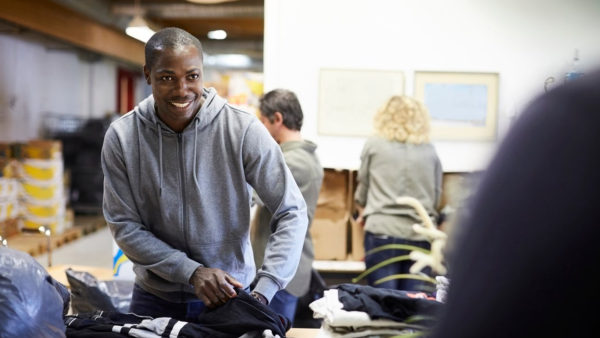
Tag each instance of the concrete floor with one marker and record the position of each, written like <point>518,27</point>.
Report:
<point>94,249</point>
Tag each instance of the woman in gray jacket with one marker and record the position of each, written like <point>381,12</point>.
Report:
<point>398,161</point>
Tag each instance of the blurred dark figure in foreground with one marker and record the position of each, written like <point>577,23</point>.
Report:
<point>525,261</point>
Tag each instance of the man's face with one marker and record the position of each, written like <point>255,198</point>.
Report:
<point>271,126</point>
<point>177,81</point>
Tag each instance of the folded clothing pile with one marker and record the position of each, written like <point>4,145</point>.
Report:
<point>350,311</point>
<point>242,316</point>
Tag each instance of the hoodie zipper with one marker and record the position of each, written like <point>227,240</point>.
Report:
<point>183,194</point>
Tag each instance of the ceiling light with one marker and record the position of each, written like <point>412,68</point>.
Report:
<point>217,35</point>
<point>232,60</point>
<point>138,29</point>
<point>208,2</point>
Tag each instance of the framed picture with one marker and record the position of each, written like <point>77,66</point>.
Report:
<point>349,99</point>
<point>462,106</point>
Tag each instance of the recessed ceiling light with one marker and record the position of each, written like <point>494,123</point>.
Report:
<point>217,35</point>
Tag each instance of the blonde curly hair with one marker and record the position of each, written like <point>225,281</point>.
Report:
<point>403,119</point>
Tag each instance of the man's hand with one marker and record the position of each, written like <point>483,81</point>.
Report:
<point>213,286</point>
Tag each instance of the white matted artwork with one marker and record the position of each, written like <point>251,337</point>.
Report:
<point>462,106</point>
<point>349,99</point>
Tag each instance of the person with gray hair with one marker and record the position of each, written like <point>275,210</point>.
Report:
<point>178,171</point>
<point>281,113</point>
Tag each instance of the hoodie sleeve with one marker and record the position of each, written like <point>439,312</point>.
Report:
<point>360,196</point>
<point>120,210</point>
<point>267,173</point>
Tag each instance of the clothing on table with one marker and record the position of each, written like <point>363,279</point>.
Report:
<point>387,304</point>
<point>307,171</point>
<point>339,323</point>
<point>241,315</point>
<point>334,314</point>
<point>102,324</point>
<point>327,332</point>
<point>442,289</point>
<point>178,201</point>
<point>373,241</point>
<point>390,170</point>
<point>529,247</point>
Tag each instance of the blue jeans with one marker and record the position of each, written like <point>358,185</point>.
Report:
<point>144,303</point>
<point>373,241</point>
<point>284,303</point>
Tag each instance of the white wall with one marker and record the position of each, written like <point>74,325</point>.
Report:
<point>36,80</point>
<point>525,41</point>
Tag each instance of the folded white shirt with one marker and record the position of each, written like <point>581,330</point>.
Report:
<point>331,310</point>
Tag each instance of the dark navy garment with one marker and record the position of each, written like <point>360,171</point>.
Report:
<point>240,315</point>
<point>525,260</point>
<point>387,304</point>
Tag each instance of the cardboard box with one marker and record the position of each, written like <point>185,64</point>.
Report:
<point>42,208</point>
<point>329,229</point>
<point>9,168</point>
<point>357,234</point>
<point>9,228</point>
<point>9,188</point>
<point>42,150</point>
<point>330,239</point>
<point>9,209</point>
<point>41,190</point>
<point>41,170</point>
<point>5,151</point>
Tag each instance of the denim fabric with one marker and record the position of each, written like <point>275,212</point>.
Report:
<point>284,303</point>
<point>373,241</point>
<point>144,303</point>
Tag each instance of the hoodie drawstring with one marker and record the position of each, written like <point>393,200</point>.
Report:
<point>160,161</point>
<point>195,144</point>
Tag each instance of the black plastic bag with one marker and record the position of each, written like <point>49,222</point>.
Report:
<point>90,294</point>
<point>31,302</point>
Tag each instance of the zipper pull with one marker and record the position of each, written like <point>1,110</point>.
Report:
<point>179,138</point>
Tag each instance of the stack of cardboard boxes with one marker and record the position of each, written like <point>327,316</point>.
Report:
<point>9,204</point>
<point>37,167</point>
<point>336,236</point>
<point>41,181</point>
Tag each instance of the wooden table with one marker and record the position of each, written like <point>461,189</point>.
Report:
<point>58,272</point>
<point>302,333</point>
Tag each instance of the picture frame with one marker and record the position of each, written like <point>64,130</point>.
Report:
<point>463,106</point>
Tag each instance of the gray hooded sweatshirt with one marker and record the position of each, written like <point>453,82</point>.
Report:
<point>175,202</point>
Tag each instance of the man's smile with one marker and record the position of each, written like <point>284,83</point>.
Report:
<point>181,104</point>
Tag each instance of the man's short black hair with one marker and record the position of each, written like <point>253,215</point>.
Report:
<point>285,102</point>
<point>169,38</point>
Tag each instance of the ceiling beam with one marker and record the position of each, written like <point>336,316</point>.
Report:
<point>54,20</point>
<point>178,11</point>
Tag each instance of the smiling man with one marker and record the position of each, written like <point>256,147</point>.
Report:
<point>178,175</point>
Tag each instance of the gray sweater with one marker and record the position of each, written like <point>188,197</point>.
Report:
<point>306,168</point>
<point>175,202</point>
<point>393,169</point>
